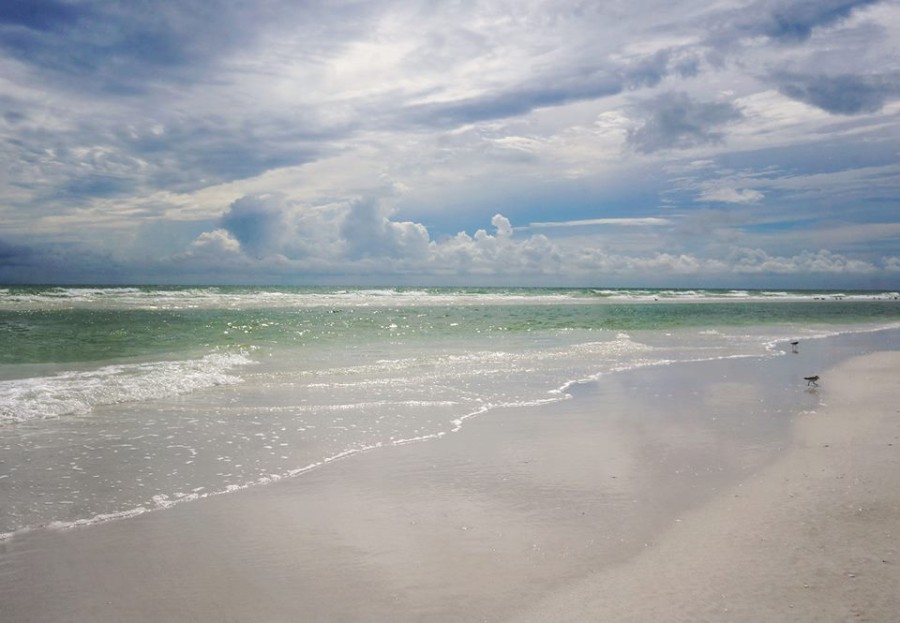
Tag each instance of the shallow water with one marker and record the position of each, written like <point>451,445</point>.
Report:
<point>118,401</point>
<point>522,504</point>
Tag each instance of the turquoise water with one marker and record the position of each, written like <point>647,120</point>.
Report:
<point>55,325</point>
<point>116,401</point>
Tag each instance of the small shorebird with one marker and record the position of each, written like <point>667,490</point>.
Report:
<point>811,380</point>
<point>794,346</point>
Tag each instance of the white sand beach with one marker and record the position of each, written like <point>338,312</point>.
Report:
<point>813,537</point>
<point>649,513</point>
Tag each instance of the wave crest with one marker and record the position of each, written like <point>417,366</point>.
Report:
<point>78,392</point>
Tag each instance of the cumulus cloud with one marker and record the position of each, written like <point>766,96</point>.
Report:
<point>257,223</point>
<point>675,121</point>
<point>654,265</point>
<point>367,231</point>
<point>504,227</point>
<point>822,262</point>
<point>360,232</point>
<point>498,253</point>
<point>362,238</point>
<point>272,225</point>
<point>216,243</point>
<point>496,257</point>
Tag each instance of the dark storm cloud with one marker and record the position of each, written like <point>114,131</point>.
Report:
<point>20,264</point>
<point>257,222</point>
<point>587,79</point>
<point>675,121</point>
<point>14,254</point>
<point>116,46</point>
<point>795,21</point>
<point>787,21</point>
<point>14,117</point>
<point>126,46</point>
<point>194,151</point>
<point>107,143</point>
<point>96,159</point>
<point>39,15</point>
<point>42,263</point>
<point>847,94</point>
<point>96,186</point>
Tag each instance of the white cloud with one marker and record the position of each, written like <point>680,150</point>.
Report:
<point>504,228</point>
<point>361,238</point>
<point>731,195</point>
<point>215,243</point>
<point>447,114</point>
<point>822,262</point>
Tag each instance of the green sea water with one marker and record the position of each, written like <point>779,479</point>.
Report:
<point>57,325</point>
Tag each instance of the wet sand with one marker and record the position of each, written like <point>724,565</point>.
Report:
<point>815,536</point>
<point>719,491</point>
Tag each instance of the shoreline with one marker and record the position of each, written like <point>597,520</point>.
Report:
<point>521,515</point>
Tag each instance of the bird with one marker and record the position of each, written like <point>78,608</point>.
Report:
<point>794,345</point>
<point>811,380</point>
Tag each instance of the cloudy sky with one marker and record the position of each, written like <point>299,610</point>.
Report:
<point>735,143</point>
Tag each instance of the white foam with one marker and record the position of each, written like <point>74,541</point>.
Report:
<point>212,297</point>
<point>78,392</point>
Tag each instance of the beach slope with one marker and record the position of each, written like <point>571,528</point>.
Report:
<point>665,494</point>
<point>815,536</point>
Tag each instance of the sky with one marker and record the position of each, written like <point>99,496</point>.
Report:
<point>612,143</point>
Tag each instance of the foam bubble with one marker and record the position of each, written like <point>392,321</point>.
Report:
<point>78,392</point>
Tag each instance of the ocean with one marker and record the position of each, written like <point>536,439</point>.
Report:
<point>116,401</point>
